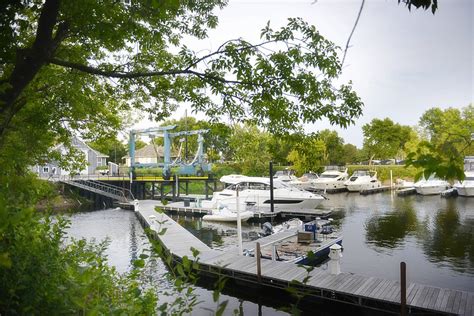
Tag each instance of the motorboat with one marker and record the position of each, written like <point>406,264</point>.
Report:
<point>431,186</point>
<point>466,186</point>
<point>362,180</point>
<point>305,182</point>
<point>333,178</point>
<point>286,175</point>
<point>402,184</point>
<point>224,214</point>
<point>254,194</point>
<point>296,240</point>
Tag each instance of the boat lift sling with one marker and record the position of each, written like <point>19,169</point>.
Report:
<point>196,167</point>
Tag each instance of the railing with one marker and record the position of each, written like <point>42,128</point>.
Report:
<point>117,193</point>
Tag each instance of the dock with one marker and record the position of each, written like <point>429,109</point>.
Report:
<point>180,207</point>
<point>406,191</point>
<point>374,190</point>
<point>364,291</point>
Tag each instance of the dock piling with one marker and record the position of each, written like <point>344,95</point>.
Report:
<point>259,267</point>
<point>403,288</point>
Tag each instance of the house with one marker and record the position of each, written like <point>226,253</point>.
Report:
<point>148,155</point>
<point>93,157</point>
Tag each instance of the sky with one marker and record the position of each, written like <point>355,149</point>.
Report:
<point>401,62</point>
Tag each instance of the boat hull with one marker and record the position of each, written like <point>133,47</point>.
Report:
<point>430,190</point>
<point>465,190</point>
<point>356,187</point>
<point>244,216</point>
<point>337,185</point>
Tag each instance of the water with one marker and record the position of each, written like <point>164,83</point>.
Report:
<point>433,235</point>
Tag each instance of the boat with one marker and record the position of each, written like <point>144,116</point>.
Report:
<point>333,178</point>
<point>305,182</point>
<point>223,214</point>
<point>430,186</point>
<point>466,186</point>
<point>254,194</point>
<point>294,244</point>
<point>363,180</point>
<point>286,175</point>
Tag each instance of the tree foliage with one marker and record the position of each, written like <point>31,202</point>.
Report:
<point>250,149</point>
<point>384,139</point>
<point>448,139</point>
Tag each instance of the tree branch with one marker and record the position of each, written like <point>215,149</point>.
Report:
<point>352,32</point>
<point>139,74</point>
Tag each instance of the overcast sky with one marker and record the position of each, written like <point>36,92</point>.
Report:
<point>401,63</point>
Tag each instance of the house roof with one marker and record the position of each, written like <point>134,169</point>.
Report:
<point>77,142</point>
<point>149,152</point>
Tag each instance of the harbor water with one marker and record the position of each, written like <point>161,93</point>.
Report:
<point>433,235</point>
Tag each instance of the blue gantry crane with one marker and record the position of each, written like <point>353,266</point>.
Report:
<point>196,167</point>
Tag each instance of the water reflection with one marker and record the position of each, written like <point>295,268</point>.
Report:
<point>390,229</point>
<point>450,239</point>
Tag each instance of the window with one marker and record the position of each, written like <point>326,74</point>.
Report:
<point>45,169</point>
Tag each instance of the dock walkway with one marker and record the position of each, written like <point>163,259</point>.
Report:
<point>370,292</point>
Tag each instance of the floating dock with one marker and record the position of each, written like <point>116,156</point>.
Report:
<point>180,207</point>
<point>363,291</point>
<point>374,190</point>
<point>406,191</point>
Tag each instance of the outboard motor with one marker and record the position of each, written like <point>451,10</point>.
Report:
<point>267,229</point>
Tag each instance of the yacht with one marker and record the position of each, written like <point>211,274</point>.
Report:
<point>305,182</point>
<point>333,177</point>
<point>286,175</point>
<point>466,187</point>
<point>431,186</point>
<point>254,194</point>
<point>362,180</point>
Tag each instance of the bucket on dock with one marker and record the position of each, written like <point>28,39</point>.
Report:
<point>187,202</point>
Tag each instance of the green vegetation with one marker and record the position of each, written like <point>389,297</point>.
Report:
<point>446,140</point>
<point>73,68</point>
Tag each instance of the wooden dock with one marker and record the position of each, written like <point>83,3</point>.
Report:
<point>364,291</point>
<point>406,191</point>
<point>374,190</point>
<point>258,214</point>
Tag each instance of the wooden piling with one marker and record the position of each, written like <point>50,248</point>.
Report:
<point>259,267</point>
<point>403,288</point>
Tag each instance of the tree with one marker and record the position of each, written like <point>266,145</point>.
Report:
<point>350,153</point>
<point>384,139</point>
<point>81,67</point>
<point>448,139</point>
<point>75,62</point>
<point>334,146</point>
<point>308,155</point>
<point>249,147</point>
<point>112,147</point>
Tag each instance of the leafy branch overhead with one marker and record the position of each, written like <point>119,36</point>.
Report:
<point>133,53</point>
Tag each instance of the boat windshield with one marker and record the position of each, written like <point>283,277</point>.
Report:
<point>361,173</point>
<point>256,186</point>
<point>310,176</point>
<point>329,176</point>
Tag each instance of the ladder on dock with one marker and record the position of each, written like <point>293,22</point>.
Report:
<point>117,193</point>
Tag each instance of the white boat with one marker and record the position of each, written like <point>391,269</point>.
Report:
<point>362,180</point>
<point>305,182</point>
<point>286,175</point>
<point>254,194</point>
<point>466,186</point>
<point>431,186</point>
<point>223,214</point>
<point>333,177</point>
<point>401,184</point>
